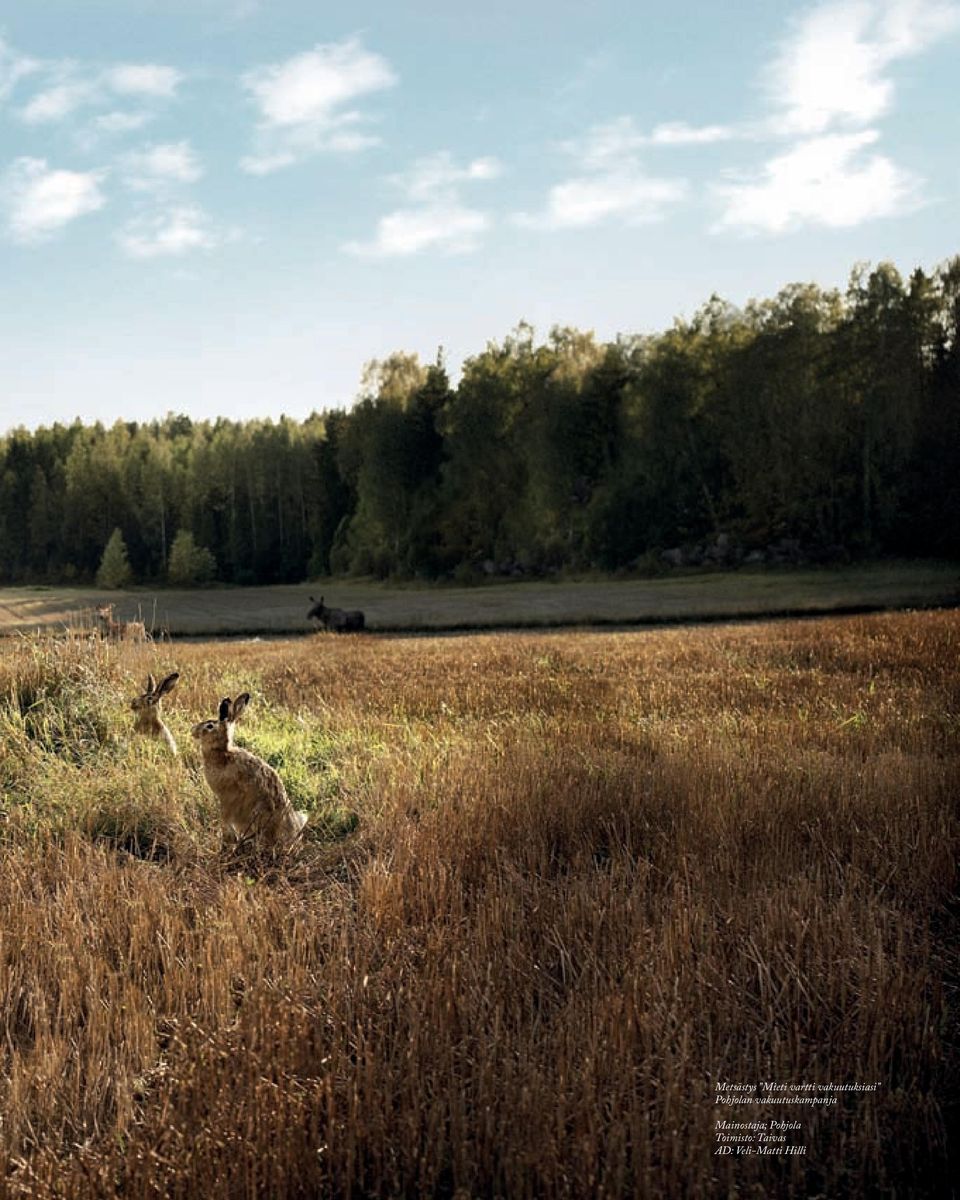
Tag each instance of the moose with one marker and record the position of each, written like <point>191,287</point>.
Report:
<point>337,620</point>
<point>119,631</point>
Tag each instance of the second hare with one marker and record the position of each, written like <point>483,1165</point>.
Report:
<point>253,800</point>
<point>146,707</point>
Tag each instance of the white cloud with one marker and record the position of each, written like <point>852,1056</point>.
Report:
<point>39,200</point>
<point>294,147</point>
<point>829,83</point>
<point>70,88</point>
<point>435,218</point>
<point>678,133</point>
<point>308,88</point>
<point>143,79</point>
<point>910,26</point>
<point>630,195</point>
<point>176,231</point>
<point>347,141</point>
<point>121,122</point>
<point>447,226</point>
<point>167,226</point>
<point>608,145</point>
<point>437,176</point>
<point>832,69</point>
<point>301,103</point>
<point>821,181</point>
<point>266,164</point>
<point>13,68</point>
<point>58,102</point>
<point>610,183</point>
<point>161,166</point>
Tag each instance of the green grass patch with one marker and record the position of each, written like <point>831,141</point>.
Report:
<point>310,761</point>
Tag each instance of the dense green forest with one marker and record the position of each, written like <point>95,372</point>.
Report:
<point>817,424</point>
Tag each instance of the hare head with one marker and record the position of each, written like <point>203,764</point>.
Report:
<point>149,700</point>
<point>217,734</point>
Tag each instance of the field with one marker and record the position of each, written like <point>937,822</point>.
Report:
<point>557,889</point>
<point>683,596</point>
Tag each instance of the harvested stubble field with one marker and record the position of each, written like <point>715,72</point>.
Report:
<point>556,888</point>
<point>390,607</point>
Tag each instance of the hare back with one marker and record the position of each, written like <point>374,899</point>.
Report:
<point>252,797</point>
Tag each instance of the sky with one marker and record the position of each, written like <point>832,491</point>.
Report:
<point>227,207</point>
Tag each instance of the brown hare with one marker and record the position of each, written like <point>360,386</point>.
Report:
<point>253,800</point>
<point>147,719</point>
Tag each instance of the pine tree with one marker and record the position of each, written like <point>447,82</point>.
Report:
<point>114,570</point>
<point>190,564</point>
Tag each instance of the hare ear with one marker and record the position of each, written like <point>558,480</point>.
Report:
<point>240,704</point>
<point>225,709</point>
<point>151,684</point>
<point>312,601</point>
<point>168,684</point>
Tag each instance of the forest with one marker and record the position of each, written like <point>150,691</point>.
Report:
<point>822,422</point>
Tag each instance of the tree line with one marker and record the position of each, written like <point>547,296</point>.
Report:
<point>824,418</point>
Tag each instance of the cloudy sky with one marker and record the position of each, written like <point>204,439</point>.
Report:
<point>228,206</point>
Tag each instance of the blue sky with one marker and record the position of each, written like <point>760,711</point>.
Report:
<point>226,207</point>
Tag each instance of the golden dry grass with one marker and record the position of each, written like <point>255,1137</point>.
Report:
<point>593,876</point>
